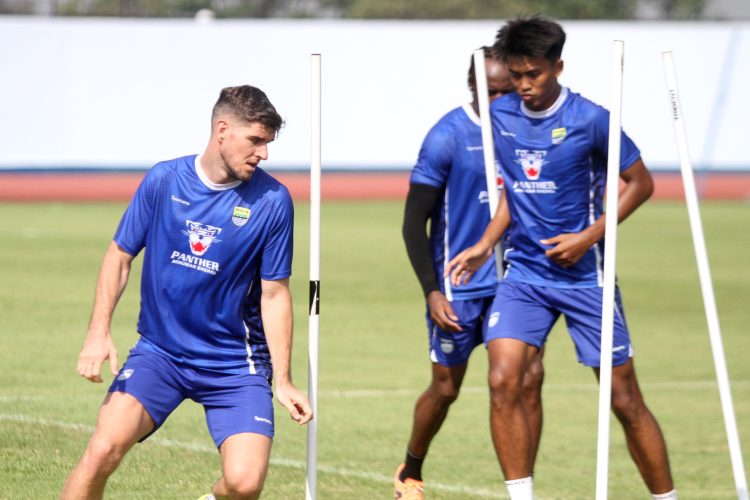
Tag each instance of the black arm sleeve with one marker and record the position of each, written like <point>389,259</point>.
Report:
<point>421,203</point>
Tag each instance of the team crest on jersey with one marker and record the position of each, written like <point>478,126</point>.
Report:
<point>558,135</point>
<point>531,161</point>
<point>201,236</point>
<point>240,216</point>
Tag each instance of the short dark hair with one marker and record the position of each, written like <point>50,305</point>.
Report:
<point>489,53</point>
<point>532,37</point>
<point>247,103</point>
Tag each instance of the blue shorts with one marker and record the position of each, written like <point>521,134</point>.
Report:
<point>232,403</point>
<point>454,348</point>
<point>528,312</point>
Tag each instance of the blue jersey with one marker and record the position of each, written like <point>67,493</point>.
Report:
<point>452,160</point>
<point>207,248</point>
<point>554,164</point>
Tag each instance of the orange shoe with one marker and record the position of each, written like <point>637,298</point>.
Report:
<point>408,489</point>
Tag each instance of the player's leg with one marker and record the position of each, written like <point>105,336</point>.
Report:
<point>511,432</point>
<point>430,411</point>
<point>449,353</point>
<point>244,465</point>
<point>517,326</point>
<point>122,422</point>
<point>644,437</point>
<point>532,402</point>
<point>239,415</point>
<point>141,397</point>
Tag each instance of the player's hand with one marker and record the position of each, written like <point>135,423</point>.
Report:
<point>568,248</point>
<point>97,348</point>
<point>463,266</point>
<point>295,402</point>
<point>441,312</point>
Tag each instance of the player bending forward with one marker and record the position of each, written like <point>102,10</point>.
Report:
<point>216,311</point>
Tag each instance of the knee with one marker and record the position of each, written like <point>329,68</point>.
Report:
<point>628,405</point>
<point>103,455</point>
<point>244,484</point>
<point>532,380</point>
<point>444,392</point>
<point>505,388</point>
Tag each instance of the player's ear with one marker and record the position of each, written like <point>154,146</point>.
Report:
<point>220,129</point>
<point>558,67</point>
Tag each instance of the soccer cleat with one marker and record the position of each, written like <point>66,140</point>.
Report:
<point>408,489</point>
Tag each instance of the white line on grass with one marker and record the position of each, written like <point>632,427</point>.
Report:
<point>15,399</point>
<point>688,385</point>
<point>281,462</point>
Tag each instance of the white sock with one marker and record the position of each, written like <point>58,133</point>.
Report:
<point>520,489</point>
<point>670,495</point>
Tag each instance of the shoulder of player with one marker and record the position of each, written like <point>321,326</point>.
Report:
<point>585,107</point>
<point>269,185</point>
<point>169,167</point>
<point>451,125</point>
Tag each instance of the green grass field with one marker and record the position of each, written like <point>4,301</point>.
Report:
<point>373,365</point>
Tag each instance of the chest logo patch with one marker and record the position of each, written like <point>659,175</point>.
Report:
<point>558,135</point>
<point>531,162</point>
<point>201,236</point>
<point>240,216</point>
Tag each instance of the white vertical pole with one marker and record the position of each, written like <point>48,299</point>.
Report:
<point>704,272</point>
<point>490,170</point>
<point>314,304</point>
<point>608,292</point>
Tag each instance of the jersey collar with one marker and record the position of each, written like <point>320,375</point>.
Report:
<point>208,183</point>
<point>473,116</point>
<point>549,111</point>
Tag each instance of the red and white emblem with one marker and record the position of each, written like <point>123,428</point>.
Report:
<point>532,162</point>
<point>201,236</point>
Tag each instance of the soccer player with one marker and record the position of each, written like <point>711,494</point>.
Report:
<point>552,145</point>
<point>448,187</point>
<point>216,310</point>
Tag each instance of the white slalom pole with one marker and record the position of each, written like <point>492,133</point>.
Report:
<point>488,147</point>
<point>704,272</point>
<point>314,305</point>
<point>608,292</point>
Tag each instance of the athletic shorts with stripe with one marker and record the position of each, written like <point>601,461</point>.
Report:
<point>454,348</point>
<point>233,403</point>
<point>527,312</point>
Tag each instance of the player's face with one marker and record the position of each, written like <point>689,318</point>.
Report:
<point>498,82</point>
<point>243,146</point>
<point>535,80</point>
<point>498,79</point>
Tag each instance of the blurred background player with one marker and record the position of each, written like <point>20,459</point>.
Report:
<point>448,187</point>
<point>552,145</point>
<point>216,310</point>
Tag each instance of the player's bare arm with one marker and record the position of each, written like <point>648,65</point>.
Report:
<point>98,346</point>
<point>568,249</point>
<point>463,266</point>
<point>276,312</point>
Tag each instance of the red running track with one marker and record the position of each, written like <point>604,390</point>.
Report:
<point>50,186</point>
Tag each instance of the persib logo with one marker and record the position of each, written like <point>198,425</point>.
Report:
<point>201,236</point>
<point>240,215</point>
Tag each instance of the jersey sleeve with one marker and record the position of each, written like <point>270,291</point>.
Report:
<point>629,152</point>
<point>132,232</point>
<point>435,157</point>
<point>276,262</point>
